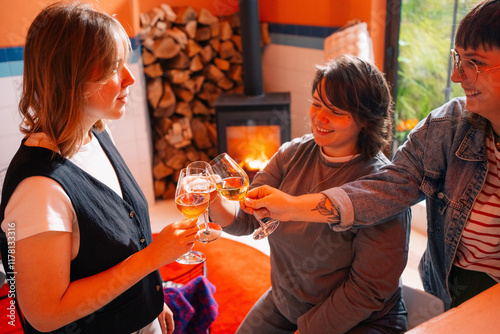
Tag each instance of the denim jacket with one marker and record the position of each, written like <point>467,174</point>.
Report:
<point>444,162</point>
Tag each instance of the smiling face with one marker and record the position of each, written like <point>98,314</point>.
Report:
<point>483,96</point>
<point>334,129</point>
<point>106,100</point>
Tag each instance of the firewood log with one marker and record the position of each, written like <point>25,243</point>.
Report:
<point>205,17</point>
<point>192,48</point>
<point>237,58</point>
<point>179,36</point>
<point>178,76</point>
<point>190,29</point>
<point>215,44</point>
<point>153,71</point>
<point>179,62</point>
<point>154,91</point>
<point>209,92</point>
<point>166,106</point>
<point>176,161</point>
<point>200,134</point>
<point>215,30</point>
<point>207,54</point>
<point>199,108</point>
<point>147,57</point>
<point>155,15</point>
<point>165,47</point>
<point>222,64</point>
<point>160,29</point>
<point>184,109</point>
<point>235,73</point>
<point>203,34</point>
<point>225,31</point>
<point>159,188</point>
<point>192,154</point>
<point>198,82</point>
<point>183,94</point>
<point>225,83</point>
<point>226,49</point>
<point>169,191</point>
<point>160,171</point>
<point>145,20</point>
<point>185,14</point>
<point>236,39</point>
<point>170,15</point>
<point>212,132</point>
<point>196,64</point>
<point>164,124</point>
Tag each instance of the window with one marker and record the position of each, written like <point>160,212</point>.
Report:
<point>420,74</point>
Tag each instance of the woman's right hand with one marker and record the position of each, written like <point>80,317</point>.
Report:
<point>266,201</point>
<point>174,240</point>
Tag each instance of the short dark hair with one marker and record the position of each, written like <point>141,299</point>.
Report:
<point>480,27</point>
<point>356,85</point>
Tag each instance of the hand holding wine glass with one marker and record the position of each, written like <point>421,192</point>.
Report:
<point>209,231</point>
<point>233,185</point>
<point>191,199</point>
<point>174,239</point>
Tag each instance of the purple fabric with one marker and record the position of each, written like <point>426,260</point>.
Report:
<point>193,305</point>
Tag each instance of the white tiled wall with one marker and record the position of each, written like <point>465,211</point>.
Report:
<point>10,136</point>
<point>285,69</point>
<point>291,69</point>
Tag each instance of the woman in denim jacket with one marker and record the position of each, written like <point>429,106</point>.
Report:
<point>445,161</point>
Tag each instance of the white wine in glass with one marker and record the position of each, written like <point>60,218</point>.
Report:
<point>233,185</point>
<point>191,204</point>
<point>233,188</point>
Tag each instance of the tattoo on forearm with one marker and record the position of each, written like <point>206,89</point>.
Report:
<point>332,213</point>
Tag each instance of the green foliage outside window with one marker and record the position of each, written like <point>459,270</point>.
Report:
<point>424,54</point>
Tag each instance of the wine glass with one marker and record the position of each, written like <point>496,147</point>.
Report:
<point>233,185</point>
<point>191,199</point>
<point>210,231</point>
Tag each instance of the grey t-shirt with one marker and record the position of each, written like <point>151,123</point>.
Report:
<point>322,279</point>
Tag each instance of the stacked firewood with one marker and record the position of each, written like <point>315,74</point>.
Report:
<point>190,57</point>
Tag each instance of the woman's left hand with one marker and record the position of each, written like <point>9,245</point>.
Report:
<point>166,320</point>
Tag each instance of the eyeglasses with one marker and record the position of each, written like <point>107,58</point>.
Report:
<point>467,69</point>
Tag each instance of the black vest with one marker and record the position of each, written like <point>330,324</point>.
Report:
<point>111,229</point>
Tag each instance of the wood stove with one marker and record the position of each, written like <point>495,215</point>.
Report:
<point>252,126</point>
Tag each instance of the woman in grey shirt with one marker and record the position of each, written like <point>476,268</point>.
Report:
<point>324,281</point>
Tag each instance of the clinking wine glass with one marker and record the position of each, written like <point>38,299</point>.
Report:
<point>191,204</point>
<point>209,231</point>
<point>233,185</point>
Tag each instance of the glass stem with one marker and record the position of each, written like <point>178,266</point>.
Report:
<point>205,216</point>
<point>261,223</point>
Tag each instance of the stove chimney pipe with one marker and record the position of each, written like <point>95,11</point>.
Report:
<point>250,41</point>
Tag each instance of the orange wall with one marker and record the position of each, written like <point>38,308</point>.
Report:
<point>16,15</point>
<point>328,13</point>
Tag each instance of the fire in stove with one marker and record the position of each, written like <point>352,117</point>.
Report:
<point>253,146</point>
